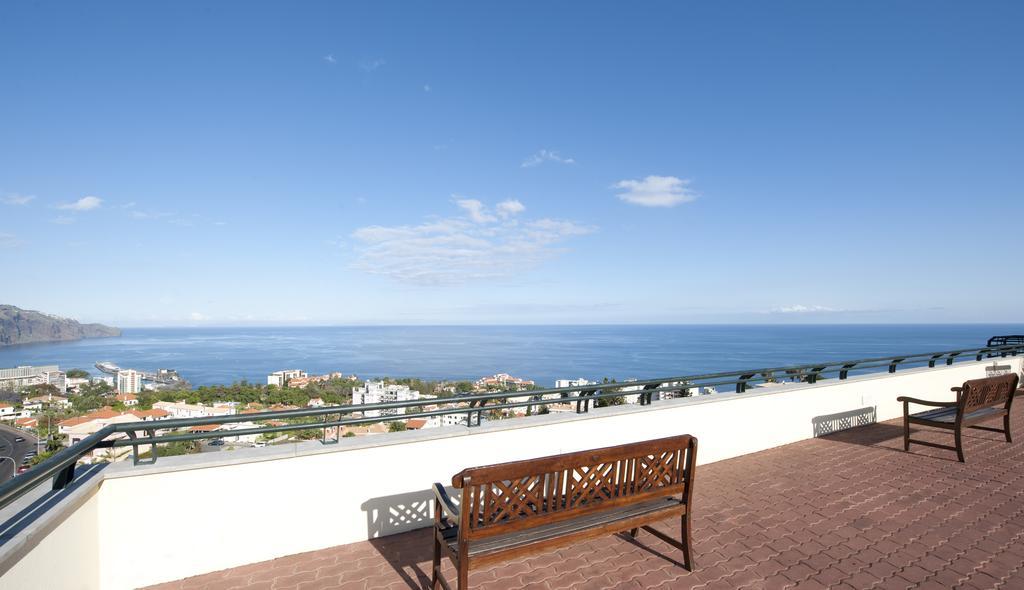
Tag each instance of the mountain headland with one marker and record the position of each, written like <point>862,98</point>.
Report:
<point>24,326</point>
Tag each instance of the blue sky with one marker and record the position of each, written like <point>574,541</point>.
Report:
<point>333,163</point>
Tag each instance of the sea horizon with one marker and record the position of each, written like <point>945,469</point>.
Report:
<point>221,355</point>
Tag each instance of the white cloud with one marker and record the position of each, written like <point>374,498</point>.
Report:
<point>329,58</point>
<point>477,211</point>
<point>545,156</point>
<point>656,191</point>
<point>510,208</point>
<point>63,220</point>
<point>369,65</point>
<point>195,316</point>
<point>83,204</point>
<point>9,240</point>
<point>456,250</point>
<point>17,199</point>
<point>805,309</point>
<point>426,88</point>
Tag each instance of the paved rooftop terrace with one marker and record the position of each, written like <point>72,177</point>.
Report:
<point>850,510</point>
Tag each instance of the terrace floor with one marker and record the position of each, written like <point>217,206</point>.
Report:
<point>850,510</point>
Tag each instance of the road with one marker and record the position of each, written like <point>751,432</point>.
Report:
<point>15,450</point>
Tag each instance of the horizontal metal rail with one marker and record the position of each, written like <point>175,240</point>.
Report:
<point>61,466</point>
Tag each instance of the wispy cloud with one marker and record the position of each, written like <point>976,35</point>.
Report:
<point>476,245</point>
<point>136,214</point>
<point>545,156</point>
<point>63,220</point>
<point>426,88</point>
<point>19,200</point>
<point>9,240</point>
<point>369,65</point>
<point>656,191</point>
<point>805,309</point>
<point>329,58</point>
<point>509,208</point>
<point>476,210</point>
<point>83,204</point>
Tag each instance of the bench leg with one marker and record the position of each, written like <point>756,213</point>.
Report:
<point>463,575</point>
<point>1006,427</point>
<point>435,574</point>
<point>959,444</point>
<point>687,540</point>
<point>633,532</point>
<point>906,426</point>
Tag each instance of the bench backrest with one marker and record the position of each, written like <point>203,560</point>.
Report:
<point>988,392</point>
<point>523,494</point>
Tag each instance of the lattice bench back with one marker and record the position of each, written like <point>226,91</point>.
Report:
<point>987,392</point>
<point>523,494</point>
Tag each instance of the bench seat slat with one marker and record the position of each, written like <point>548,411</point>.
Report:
<point>504,542</point>
<point>948,415</point>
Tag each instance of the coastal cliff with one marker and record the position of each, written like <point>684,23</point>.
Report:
<point>22,326</point>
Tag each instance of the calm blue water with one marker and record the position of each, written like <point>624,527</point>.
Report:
<point>208,356</point>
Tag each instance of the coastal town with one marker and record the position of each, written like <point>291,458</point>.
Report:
<point>59,408</point>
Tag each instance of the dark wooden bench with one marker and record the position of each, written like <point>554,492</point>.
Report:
<point>977,400</point>
<point>524,507</point>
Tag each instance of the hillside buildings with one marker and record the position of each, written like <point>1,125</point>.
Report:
<point>183,410</point>
<point>379,392</point>
<point>297,379</point>
<point>503,381</point>
<point>281,378</point>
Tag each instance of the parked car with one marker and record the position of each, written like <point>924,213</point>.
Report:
<point>19,439</point>
<point>260,444</point>
<point>217,443</point>
<point>24,468</point>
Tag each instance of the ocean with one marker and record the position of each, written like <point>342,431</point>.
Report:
<point>208,356</point>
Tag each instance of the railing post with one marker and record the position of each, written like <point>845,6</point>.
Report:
<point>894,363</point>
<point>845,372</point>
<point>64,477</point>
<point>741,385</point>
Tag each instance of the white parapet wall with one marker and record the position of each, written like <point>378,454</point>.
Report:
<point>196,514</point>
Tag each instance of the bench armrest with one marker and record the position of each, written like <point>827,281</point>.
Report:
<point>445,502</point>
<point>923,402</point>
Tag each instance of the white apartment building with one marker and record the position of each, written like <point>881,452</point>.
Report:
<point>281,378</point>
<point>446,420</point>
<point>26,375</point>
<point>183,410</point>
<point>573,382</point>
<point>378,392</point>
<point>580,382</point>
<point>129,381</point>
<point>57,379</point>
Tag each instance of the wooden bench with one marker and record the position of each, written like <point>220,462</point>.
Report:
<point>524,507</point>
<point>977,400</point>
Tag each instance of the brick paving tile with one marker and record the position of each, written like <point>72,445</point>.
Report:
<point>850,510</point>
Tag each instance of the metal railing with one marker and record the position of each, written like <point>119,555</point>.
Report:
<point>61,466</point>
<point>1006,340</point>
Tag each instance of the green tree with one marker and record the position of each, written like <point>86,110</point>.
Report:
<point>396,426</point>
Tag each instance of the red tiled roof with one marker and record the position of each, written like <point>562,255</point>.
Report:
<point>154,413</point>
<point>206,428</point>
<point>415,423</point>
<point>74,421</point>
